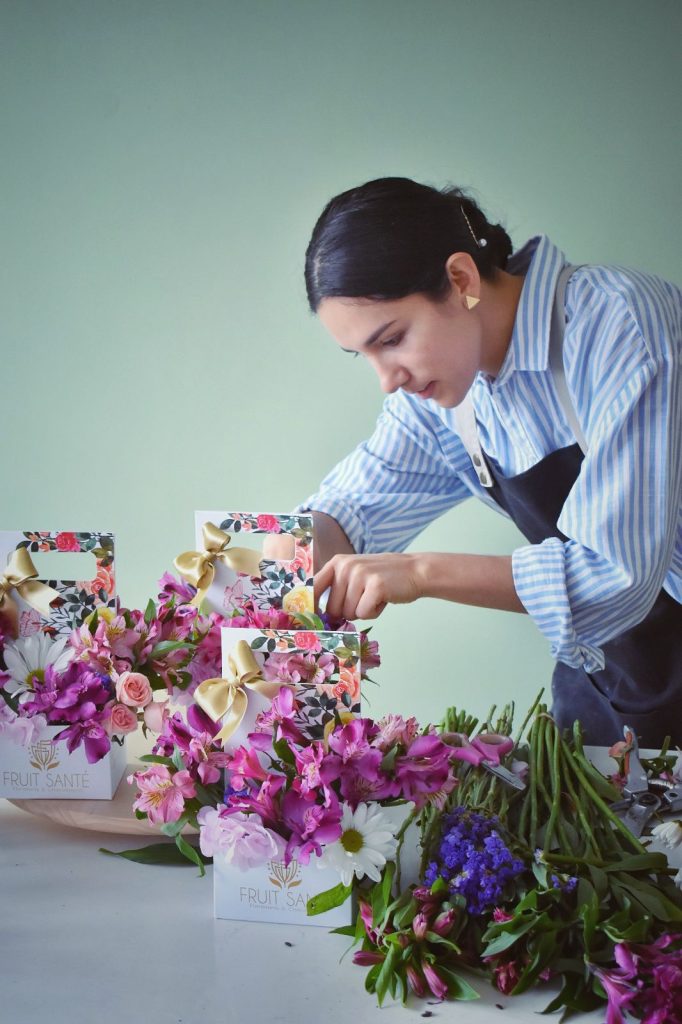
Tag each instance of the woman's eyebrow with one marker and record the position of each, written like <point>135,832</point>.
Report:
<point>372,338</point>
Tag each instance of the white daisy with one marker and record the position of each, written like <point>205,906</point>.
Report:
<point>367,841</point>
<point>31,655</point>
<point>669,833</point>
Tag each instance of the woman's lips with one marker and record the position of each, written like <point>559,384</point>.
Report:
<point>426,392</point>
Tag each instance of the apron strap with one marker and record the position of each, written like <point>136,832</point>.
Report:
<point>465,415</point>
<point>556,355</point>
<point>465,421</point>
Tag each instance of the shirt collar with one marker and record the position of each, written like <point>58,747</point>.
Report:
<point>541,261</point>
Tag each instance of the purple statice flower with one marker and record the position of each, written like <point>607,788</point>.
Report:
<point>564,883</point>
<point>474,860</point>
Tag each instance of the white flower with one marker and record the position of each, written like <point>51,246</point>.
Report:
<point>669,833</point>
<point>32,655</point>
<point>367,841</point>
<point>678,879</point>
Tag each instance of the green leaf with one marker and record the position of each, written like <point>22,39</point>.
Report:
<point>174,828</point>
<point>386,970</point>
<point>652,899</point>
<point>507,939</point>
<point>381,896</point>
<point>150,612</point>
<point>649,862</point>
<point>191,853</point>
<point>329,899</point>
<point>165,647</point>
<point>156,759</point>
<point>156,853</point>
<point>404,916</point>
<point>94,621</point>
<point>372,975</point>
<point>177,761</point>
<point>310,621</point>
<point>458,987</point>
<point>284,751</point>
<point>442,941</point>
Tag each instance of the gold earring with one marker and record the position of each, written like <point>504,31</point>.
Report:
<point>471,301</point>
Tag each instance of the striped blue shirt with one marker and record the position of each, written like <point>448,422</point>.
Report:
<point>623,517</point>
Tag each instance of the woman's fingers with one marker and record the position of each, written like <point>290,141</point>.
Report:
<point>360,586</point>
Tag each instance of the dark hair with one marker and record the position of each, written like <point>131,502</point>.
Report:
<point>391,237</point>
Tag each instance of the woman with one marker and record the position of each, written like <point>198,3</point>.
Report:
<point>551,393</point>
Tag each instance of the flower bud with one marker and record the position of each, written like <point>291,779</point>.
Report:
<point>443,924</point>
<point>420,926</point>
<point>416,981</point>
<point>365,958</point>
<point>434,981</point>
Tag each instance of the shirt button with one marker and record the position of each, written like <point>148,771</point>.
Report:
<point>477,461</point>
<point>483,478</point>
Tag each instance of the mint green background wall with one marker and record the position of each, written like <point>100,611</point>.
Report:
<point>163,164</point>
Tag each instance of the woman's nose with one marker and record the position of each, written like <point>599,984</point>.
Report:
<point>391,378</point>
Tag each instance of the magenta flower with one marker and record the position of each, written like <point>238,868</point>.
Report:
<point>352,741</point>
<point>424,769</point>
<point>311,825</point>
<point>92,734</point>
<point>244,766</point>
<point>161,794</point>
<point>281,714</point>
<point>394,729</point>
<point>171,588</point>
<point>308,762</point>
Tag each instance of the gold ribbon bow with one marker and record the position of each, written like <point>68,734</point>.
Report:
<point>20,575</point>
<point>226,700</point>
<point>198,567</point>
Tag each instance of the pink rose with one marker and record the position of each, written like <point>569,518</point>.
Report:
<point>122,719</point>
<point>308,642</point>
<point>67,542</point>
<point>349,683</point>
<point>303,559</point>
<point>268,523</point>
<point>133,689</point>
<point>155,714</point>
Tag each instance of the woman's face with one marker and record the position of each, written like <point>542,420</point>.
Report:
<point>430,349</point>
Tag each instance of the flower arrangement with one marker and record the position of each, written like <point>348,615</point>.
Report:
<point>103,679</point>
<point>520,883</point>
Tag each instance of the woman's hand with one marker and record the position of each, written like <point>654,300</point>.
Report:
<point>362,585</point>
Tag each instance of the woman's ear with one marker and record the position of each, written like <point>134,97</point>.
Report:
<point>463,274</point>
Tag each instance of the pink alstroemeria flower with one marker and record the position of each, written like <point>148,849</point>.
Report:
<point>162,795</point>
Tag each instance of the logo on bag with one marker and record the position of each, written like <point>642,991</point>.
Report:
<point>285,876</point>
<point>44,755</point>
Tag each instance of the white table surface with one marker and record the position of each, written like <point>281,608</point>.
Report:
<point>90,939</point>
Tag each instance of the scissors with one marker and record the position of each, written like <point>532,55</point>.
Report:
<point>639,803</point>
<point>485,750</point>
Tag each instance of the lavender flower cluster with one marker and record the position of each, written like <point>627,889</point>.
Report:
<point>473,859</point>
